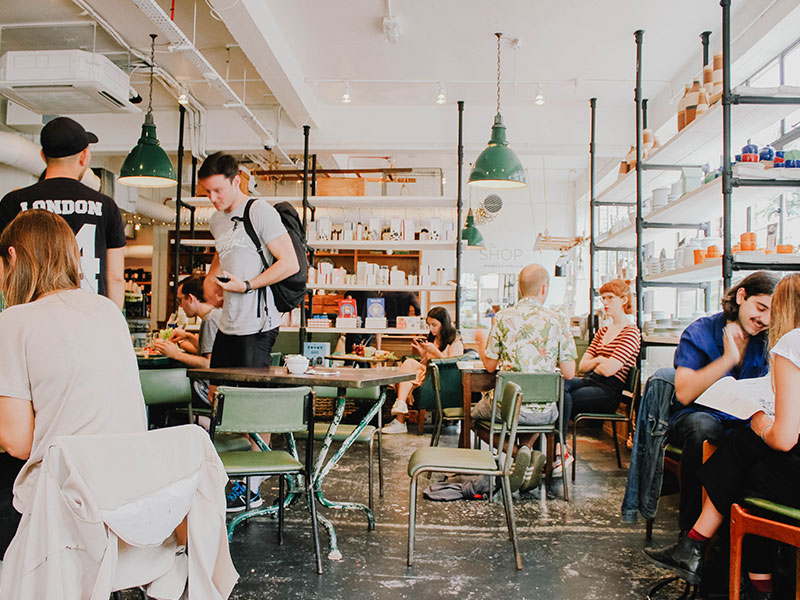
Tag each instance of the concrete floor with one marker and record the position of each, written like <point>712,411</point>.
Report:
<point>579,549</point>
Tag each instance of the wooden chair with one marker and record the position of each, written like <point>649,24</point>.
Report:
<point>744,522</point>
<point>630,391</point>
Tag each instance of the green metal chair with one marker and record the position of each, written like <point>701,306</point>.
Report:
<point>367,435</point>
<point>277,410</point>
<point>467,461</point>
<point>537,388</point>
<point>446,398</point>
<point>629,392</point>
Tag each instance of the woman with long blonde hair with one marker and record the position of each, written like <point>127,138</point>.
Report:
<point>762,459</point>
<point>67,364</point>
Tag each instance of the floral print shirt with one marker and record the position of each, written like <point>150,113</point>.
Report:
<point>530,338</point>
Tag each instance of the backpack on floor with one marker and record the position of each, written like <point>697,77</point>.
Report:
<point>287,293</point>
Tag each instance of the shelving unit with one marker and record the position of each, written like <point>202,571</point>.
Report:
<point>418,245</point>
<point>383,288</point>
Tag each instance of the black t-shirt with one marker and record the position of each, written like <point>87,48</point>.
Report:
<point>94,217</point>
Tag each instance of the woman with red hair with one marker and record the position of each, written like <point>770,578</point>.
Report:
<point>607,361</point>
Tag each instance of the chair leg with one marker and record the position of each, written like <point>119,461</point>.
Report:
<point>574,447</point>
<point>543,485</point>
<point>314,525</point>
<point>736,554</point>
<point>420,421</point>
<point>616,443</point>
<point>369,472</point>
<point>564,478</point>
<point>280,508</point>
<point>412,517</point>
<point>437,429</point>
<point>247,494</point>
<point>648,530</point>
<point>512,524</point>
<point>380,455</point>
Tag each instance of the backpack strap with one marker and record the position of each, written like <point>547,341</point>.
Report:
<point>251,231</point>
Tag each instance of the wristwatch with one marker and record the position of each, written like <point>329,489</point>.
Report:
<point>247,287</point>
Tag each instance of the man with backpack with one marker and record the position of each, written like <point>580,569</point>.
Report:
<point>250,319</point>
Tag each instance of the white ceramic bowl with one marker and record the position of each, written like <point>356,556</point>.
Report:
<point>296,364</point>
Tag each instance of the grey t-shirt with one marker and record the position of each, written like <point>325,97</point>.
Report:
<point>208,331</point>
<point>238,256</point>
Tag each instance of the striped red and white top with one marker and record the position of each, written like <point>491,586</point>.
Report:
<point>624,348</point>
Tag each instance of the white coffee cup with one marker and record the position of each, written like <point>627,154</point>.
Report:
<point>297,364</point>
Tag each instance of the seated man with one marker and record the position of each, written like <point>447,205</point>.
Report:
<point>529,338</point>
<point>191,349</point>
<point>729,343</point>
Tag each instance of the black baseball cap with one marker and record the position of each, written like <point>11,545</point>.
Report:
<point>64,137</point>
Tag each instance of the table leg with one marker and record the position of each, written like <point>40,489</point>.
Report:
<point>466,405</point>
<point>320,474</point>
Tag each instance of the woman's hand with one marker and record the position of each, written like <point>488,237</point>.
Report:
<point>416,346</point>
<point>759,422</point>
<point>430,349</point>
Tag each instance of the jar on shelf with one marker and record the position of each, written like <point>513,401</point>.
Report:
<point>682,108</point>
<point>692,98</point>
<point>702,102</point>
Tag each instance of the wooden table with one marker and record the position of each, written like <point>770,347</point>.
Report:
<point>368,360</point>
<point>340,378</point>
<point>474,378</point>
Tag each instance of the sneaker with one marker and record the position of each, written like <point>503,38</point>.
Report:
<point>522,461</point>
<point>558,468</point>
<point>236,501</point>
<point>394,427</point>
<point>533,474</point>
<point>399,408</point>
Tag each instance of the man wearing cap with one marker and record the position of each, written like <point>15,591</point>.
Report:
<point>94,217</point>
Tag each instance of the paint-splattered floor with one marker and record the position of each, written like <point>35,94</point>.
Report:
<point>579,549</point>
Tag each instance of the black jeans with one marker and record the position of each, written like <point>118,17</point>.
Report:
<point>745,466</point>
<point>581,395</point>
<point>243,350</point>
<point>9,517</point>
<point>688,431</point>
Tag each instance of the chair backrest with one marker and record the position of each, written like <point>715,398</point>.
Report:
<point>275,359</point>
<point>274,410</point>
<point>631,383</point>
<point>165,386</point>
<point>510,403</point>
<point>537,388</point>
<point>449,381</point>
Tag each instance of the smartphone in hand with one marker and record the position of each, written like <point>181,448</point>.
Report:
<point>223,279</point>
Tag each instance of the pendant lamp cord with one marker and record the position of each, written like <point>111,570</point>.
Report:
<point>499,37</point>
<point>153,37</point>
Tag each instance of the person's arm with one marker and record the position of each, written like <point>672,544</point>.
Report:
<point>626,349</point>
<point>285,265</point>
<point>115,275</point>
<point>195,361</point>
<point>16,426</point>
<point>212,289</point>
<point>781,434</point>
<point>590,360</point>
<point>567,368</point>
<point>690,383</point>
<point>490,364</point>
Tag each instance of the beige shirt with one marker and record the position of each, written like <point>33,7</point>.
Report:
<point>70,354</point>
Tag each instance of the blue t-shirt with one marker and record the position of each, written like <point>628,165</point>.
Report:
<point>702,343</point>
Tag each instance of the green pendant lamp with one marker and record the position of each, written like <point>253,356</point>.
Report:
<point>147,165</point>
<point>471,233</point>
<point>498,166</point>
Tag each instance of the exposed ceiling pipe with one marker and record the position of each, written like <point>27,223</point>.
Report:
<point>182,43</point>
<point>20,153</point>
<point>196,111</point>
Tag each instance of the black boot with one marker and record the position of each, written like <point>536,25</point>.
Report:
<point>684,558</point>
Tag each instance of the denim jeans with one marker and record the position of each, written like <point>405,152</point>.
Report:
<point>647,457</point>
<point>582,395</point>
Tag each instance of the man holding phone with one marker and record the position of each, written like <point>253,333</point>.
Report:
<point>247,328</point>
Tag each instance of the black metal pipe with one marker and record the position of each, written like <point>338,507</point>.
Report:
<point>739,182</point>
<point>727,167</point>
<point>614,249</point>
<point>193,190</point>
<point>765,266</point>
<point>647,225</point>
<point>177,269</point>
<point>590,324</point>
<point>657,167</point>
<point>675,284</point>
<point>644,113</point>
<point>613,203</point>
<point>638,36</point>
<point>704,39</point>
<point>302,332</point>
<point>459,209</point>
<point>314,174</point>
<point>739,99</point>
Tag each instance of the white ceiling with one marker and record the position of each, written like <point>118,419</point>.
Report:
<point>575,50</point>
